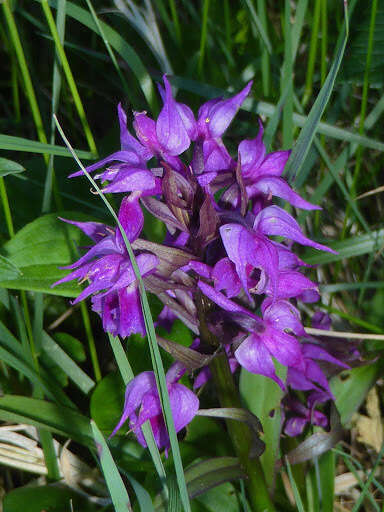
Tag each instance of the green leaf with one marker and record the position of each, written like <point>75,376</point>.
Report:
<point>40,413</point>
<point>9,167</point>
<point>118,492</point>
<point>222,497</point>
<point>38,249</point>
<point>265,404</point>
<point>351,388</point>
<point>72,346</point>
<point>356,55</point>
<point>120,45</point>
<point>63,361</point>
<point>11,143</point>
<point>47,498</point>
<point>107,402</point>
<point>8,270</point>
<point>203,476</point>
<point>296,160</point>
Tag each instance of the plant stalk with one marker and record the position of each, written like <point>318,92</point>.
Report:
<point>241,436</point>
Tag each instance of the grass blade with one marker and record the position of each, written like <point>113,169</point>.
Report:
<point>116,487</point>
<point>301,148</point>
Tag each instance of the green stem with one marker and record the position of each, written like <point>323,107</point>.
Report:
<point>69,76</point>
<point>203,37</point>
<point>91,341</point>
<point>229,397</point>
<point>312,53</point>
<point>265,62</point>
<point>29,91</point>
<point>6,208</point>
<point>287,79</point>
<point>175,19</point>
<point>241,436</point>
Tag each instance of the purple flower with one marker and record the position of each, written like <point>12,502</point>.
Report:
<point>107,268</point>
<point>142,403</point>
<point>311,376</point>
<point>299,415</point>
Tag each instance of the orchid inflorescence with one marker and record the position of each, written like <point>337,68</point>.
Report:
<point>220,270</point>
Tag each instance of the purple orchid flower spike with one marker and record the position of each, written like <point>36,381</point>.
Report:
<point>107,268</point>
<point>142,403</point>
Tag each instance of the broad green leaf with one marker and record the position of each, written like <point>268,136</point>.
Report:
<point>46,498</point>
<point>63,361</point>
<point>351,388</point>
<point>118,492</point>
<point>38,249</point>
<point>8,270</point>
<point>9,167</point>
<point>107,402</point>
<point>262,396</point>
<point>72,346</point>
<point>42,414</point>
<point>327,470</point>
<point>11,143</point>
<point>222,497</point>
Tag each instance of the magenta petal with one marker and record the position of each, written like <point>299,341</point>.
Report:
<point>221,300</point>
<point>128,142</point>
<point>95,230</point>
<point>134,393</point>
<point>292,284</point>
<point>170,129</point>
<point>145,129</point>
<point>275,186</point>
<point>221,114</point>
<point>119,156</point>
<point>131,218</point>
<point>131,319</point>
<point>282,315</point>
<point>284,347</point>
<point>225,278</point>
<point>184,405</point>
<point>216,156</point>
<point>251,154</point>
<point>298,380</point>
<point>104,247</point>
<point>132,180</point>
<point>254,357</point>
<point>273,164</point>
<point>295,426</point>
<point>273,220</point>
<point>316,352</point>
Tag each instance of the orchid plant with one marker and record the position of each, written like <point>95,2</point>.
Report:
<point>227,267</point>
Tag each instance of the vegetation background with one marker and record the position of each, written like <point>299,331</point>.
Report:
<point>78,59</point>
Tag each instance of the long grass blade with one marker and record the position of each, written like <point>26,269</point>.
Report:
<point>116,487</point>
<point>304,141</point>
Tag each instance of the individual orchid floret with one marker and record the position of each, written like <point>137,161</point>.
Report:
<point>107,268</point>
<point>265,338</point>
<point>254,256</point>
<point>311,376</point>
<point>216,115</point>
<point>300,415</point>
<point>142,403</point>
<point>132,153</point>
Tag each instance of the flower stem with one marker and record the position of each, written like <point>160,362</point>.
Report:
<point>241,436</point>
